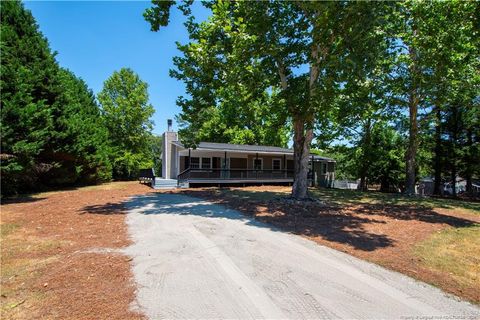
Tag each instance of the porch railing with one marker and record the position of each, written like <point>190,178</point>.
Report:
<point>234,174</point>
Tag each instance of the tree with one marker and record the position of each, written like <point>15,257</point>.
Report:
<point>364,100</point>
<point>50,128</point>
<point>386,165</point>
<point>434,40</point>
<point>409,76</point>
<point>156,148</point>
<point>277,41</point>
<point>439,44</point>
<point>126,112</point>
<point>26,92</point>
<point>80,134</point>
<point>224,103</point>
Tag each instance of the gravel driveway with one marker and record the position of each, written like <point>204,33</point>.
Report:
<point>195,259</point>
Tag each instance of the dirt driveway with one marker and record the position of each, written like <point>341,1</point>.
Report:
<point>195,259</point>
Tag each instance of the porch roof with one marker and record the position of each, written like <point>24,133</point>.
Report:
<point>245,148</point>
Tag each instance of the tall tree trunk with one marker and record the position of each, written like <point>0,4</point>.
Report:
<point>438,152</point>
<point>413,102</point>
<point>453,160</point>
<point>302,138</point>
<point>303,129</point>
<point>365,165</point>
<point>412,145</point>
<point>454,178</point>
<point>384,184</point>
<point>469,161</point>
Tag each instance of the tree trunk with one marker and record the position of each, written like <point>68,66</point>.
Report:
<point>362,186</point>
<point>384,184</point>
<point>469,186</point>
<point>413,101</point>
<point>412,146</point>
<point>453,160</point>
<point>438,152</point>
<point>454,180</point>
<point>469,163</point>
<point>365,165</point>
<point>303,130</point>
<point>302,137</point>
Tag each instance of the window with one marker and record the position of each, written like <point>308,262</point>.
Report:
<point>258,164</point>
<point>324,168</point>
<point>206,163</point>
<point>194,163</point>
<point>276,164</point>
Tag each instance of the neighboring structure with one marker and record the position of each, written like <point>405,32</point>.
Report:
<point>460,186</point>
<point>234,164</point>
<point>426,186</point>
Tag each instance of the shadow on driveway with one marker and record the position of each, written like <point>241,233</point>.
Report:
<point>332,223</point>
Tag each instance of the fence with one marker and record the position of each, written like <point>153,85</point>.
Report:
<point>345,184</point>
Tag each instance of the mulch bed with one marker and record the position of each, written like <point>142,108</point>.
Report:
<point>80,275</point>
<point>383,234</point>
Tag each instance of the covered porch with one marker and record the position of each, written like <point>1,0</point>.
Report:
<point>217,167</point>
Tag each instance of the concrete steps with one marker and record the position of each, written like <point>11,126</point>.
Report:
<point>160,183</point>
<point>183,185</point>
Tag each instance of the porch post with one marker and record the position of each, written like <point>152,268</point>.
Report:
<point>256,171</point>
<point>285,165</point>
<point>313,173</point>
<point>225,166</point>
<point>189,153</point>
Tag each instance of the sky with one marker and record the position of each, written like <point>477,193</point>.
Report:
<point>93,39</point>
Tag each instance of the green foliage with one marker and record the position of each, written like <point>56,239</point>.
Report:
<point>346,166</point>
<point>126,115</point>
<point>80,131</point>
<point>25,96</point>
<point>230,100</point>
<point>387,159</point>
<point>265,64</point>
<point>156,149</point>
<point>50,127</point>
<point>425,67</point>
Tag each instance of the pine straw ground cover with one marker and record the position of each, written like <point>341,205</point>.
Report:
<point>58,258</point>
<point>433,240</point>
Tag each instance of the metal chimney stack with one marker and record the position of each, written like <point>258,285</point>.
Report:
<point>169,125</point>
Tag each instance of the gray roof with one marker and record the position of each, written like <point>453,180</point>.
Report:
<point>248,148</point>
<point>241,147</point>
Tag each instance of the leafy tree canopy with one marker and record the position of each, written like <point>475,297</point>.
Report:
<point>126,112</point>
<point>50,129</point>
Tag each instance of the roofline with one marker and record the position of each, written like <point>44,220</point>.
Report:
<point>286,152</point>
<point>242,151</point>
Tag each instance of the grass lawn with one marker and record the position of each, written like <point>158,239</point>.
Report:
<point>454,251</point>
<point>432,239</point>
<point>348,197</point>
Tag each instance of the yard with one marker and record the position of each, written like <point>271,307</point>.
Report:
<point>61,251</point>
<point>59,254</point>
<point>433,240</point>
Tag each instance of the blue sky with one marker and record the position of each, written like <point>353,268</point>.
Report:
<point>94,38</point>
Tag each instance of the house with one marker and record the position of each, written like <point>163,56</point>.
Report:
<point>222,164</point>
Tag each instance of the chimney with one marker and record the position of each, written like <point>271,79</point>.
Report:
<point>169,153</point>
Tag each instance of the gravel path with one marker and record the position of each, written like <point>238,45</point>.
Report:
<point>195,259</point>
